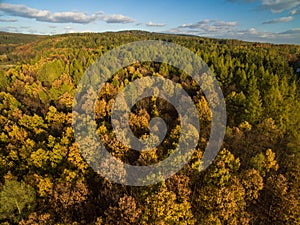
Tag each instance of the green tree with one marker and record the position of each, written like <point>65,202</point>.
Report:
<point>254,109</point>
<point>50,71</point>
<point>265,163</point>
<point>17,200</point>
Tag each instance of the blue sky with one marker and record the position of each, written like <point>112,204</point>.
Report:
<point>276,21</point>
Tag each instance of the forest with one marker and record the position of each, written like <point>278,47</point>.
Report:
<point>44,178</point>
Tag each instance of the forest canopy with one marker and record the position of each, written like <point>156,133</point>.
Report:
<point>44,178</point>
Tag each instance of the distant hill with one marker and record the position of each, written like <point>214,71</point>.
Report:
<point>16,47</point>
<point>17,38</point>
<point>10,41</point>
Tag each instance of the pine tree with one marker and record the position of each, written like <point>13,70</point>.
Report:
<point>254,109</point>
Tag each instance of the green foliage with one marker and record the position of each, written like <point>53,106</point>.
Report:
<point>4,81</point>
<point>253,109</point>
<point>50,71</point>
<point>264,163</point>
<point>17,200</point>
<point>224,166</point>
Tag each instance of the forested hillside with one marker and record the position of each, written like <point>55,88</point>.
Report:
<point>45,180</point>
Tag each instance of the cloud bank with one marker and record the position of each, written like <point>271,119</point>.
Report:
<point>279,20</point>
<point>275,6</point>
<point>209,26</point>
<point>230,30</point>
<point>8,20</point>
<point>61,17</point>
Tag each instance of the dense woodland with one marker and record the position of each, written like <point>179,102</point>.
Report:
<point>45,180</point>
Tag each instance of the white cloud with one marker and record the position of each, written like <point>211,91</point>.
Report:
<point>292,31</point>
<point>232,32</point>
<point>290,36</point>
<point>242,1</point>
<point>9,29</point>
<point>211,27</point>
<point>61,17</point>
<point>117,19</point>
<point>295,11</point>
<point>67,17</point>
<point>252,31</point>
<point>7,20</point>
<point>23,11</point>
<point>151,24</point>
<point>279,20</point>
<point>69,29</point>
<point>277,6</point>
<point>222,23</point>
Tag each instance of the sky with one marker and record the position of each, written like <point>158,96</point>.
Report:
<point>274,21</point>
